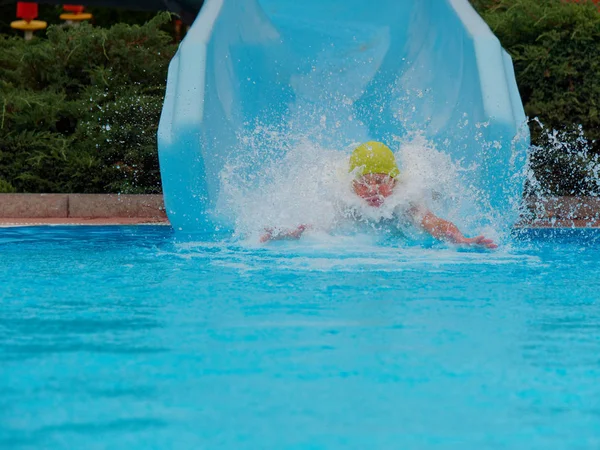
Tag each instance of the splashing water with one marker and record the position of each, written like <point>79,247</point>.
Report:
<point>285,182</point>
<point>563,163</point>
<point>570,153</point>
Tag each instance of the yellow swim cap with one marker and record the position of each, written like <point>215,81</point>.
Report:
<point>374,157</point>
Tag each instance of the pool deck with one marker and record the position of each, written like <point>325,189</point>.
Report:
<point>562,212</point>
<point>81,209</point>
<point>558,223</point>
<point>18,210</point>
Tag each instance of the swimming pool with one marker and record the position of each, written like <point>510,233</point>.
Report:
<point>125,337</point>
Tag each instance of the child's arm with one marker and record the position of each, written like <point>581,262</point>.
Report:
<point>276,234</point>
<point>445,230</point>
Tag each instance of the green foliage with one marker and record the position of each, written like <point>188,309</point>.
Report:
<point>79,110</point>
<point>555,46</point>
<point>6,187</point>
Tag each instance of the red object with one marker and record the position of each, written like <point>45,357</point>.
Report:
<point>178,25</point>
<point>75,9</point>
<point>27,11</point>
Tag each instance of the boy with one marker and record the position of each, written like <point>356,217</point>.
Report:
<point>376,172</point>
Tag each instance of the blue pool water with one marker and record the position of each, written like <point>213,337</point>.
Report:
<point>128,338</point>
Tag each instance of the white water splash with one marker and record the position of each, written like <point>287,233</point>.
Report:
<point>282,182</point>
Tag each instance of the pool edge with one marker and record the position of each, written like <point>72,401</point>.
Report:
<point>104,221</point>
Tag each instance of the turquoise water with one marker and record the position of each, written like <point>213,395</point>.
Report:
<point>128,338</point>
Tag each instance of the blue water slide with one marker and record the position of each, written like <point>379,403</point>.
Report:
<point>368,70</point>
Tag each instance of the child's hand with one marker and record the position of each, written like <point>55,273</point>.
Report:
<point>272,234</point>
<point>479,241</point>
<point>297,233</point>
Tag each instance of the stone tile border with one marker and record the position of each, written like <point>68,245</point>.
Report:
<point>559,223</point>
<point>91,206</point>
<point>572,208</point>
<point>34,206</point>
<point>81,206</point>
<point>4,223</point>
<point>562,212</point>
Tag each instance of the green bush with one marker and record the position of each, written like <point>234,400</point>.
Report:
<point>555,46</point>
<point>79,110</point>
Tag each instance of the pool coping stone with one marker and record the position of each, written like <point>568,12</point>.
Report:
<point>87,209</point>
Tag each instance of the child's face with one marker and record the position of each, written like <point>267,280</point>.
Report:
<point>374,188</point>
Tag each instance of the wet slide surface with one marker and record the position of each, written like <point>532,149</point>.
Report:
<point>335,74</point>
